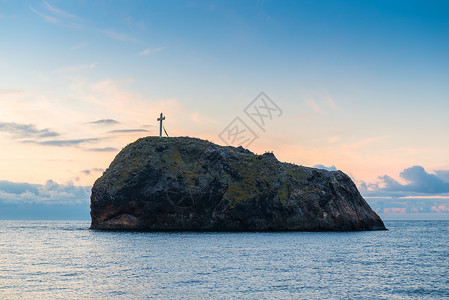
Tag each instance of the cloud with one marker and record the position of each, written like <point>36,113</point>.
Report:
<point>8,92</point>
<point>128,130</point>
<point>46,18</point>
<point>49,193</point>
<point>195,117</point>
<point>421,193</point>
<point>76,68</point>
<point>110,98</point>
<point>313,105</point>
<point>443,174</point>
<point>26,130</point>
<point>321,104</point>
<point>418,182</point>
<point>105,122</point>
<point>410,205</point>
<point>78,46</point>
<point>63,143</point>
<point>115,35</point>
<point>349,147</point>
<point>17,188</point>
<point>58,12</point>
<point>105,149</point>
<point>334,139</point>
<point>331,168</point>
<point>58,16</point>
<point>329,102</point>
<point>151,51</point>
<point>94,170</point>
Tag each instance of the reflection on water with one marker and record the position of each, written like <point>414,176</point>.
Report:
<point>63,259</point>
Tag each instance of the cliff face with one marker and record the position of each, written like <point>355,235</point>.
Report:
<point>191,184</point>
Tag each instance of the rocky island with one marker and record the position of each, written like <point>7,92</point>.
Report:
<point>189,184</point>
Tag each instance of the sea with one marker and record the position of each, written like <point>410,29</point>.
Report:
<point>66,260</point>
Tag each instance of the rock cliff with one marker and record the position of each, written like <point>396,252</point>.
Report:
<point>190,184</point>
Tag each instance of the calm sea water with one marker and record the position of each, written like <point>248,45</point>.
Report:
<point>63,259</point>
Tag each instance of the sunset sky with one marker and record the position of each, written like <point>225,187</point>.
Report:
<point>363,86</point>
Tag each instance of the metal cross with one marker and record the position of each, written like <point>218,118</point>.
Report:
<point>160,120</point>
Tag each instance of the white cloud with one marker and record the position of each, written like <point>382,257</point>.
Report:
<point>313,105</point>
<point>58,16</point>
<point>78,46</point>
<point>58,12</point>
<point>76,68</point>
<point>44,16</point>
<point>195,117</point>
<point>361,143</point>
<point>48,193</point>
<point>117,36</point>
<point>329,102</point>
<point>6,94</point>
<point>151,51</point>
<point>320,103</point>
<point>334,139</point>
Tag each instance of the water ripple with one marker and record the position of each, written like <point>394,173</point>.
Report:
<point>63,259</point>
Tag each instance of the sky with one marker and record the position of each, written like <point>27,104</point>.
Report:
<point>358,86</point>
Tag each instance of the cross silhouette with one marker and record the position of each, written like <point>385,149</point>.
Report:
<point>160,119</point>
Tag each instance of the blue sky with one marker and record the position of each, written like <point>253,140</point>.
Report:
<point>363,85</point>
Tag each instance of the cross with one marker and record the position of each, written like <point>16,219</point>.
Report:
<point>160,120</point>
